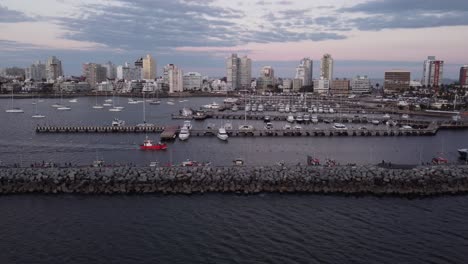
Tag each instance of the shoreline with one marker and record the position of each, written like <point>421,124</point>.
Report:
<point>109,94</point>
<point>420,181</point>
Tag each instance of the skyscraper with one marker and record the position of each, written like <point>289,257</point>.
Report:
<point>433,72</point>
<point>267,78</point>
<point>53,68</point>
<point>37,71</point>
<point>111,71</point>
<point>396,81</point>
<point>326,67</point>
<point>173,76</point>
<point>94,73</point>
<point>464,76</point>
<point>304,71</point>
<point>239,72</point>
<point>149,68</point>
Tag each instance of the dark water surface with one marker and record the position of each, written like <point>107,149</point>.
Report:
<point>20,144</point>
<point>216,228</point>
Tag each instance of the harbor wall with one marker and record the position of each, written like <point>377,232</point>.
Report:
<point>424,180</point>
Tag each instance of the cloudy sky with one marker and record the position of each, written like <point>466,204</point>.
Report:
<point>363,36</point>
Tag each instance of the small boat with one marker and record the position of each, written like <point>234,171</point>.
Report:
<point>186,112</point>
<point>155,102</point>
<point>314,119</point>
<point>239,162</point>
<point>214,105</point>
<point>230,100</point>
<point>73,101</point>
<point>405,116</point>
<point>339,126</point>
<point>297,127</point>
<point>189,163</point>
<point>15,110</point>
<point>331,111</point>
<point>187,124</point>
<point>294,109</point>
<point>234,108</point>
<point>246,127</point>
<point>247,107</point>
<point>286,127</point>
<point>64,108</point>
<point>222,134</point>
<point>119,107</point>
<point>290,119</point>
<point>266,119</point>
<point>108,100</point>
<point>38,116</point>
<point>260,108</point>
<point>107,105</point>
<point>131,101</point>
<point>391,123</point>
<point>306,118</point>
<point>281,109</point>
<point>118,123</point>
<point>299,118</point>
<point>463,153</point>
<point>269,126</point>
<point>405,127</point>
<point>439,160</point>
<point>375,122</point>
<point>287,109</point>
<point>170,103</point>
<point>57,105</point>
<point>254,108</point>
<point>148,145</point>
<point>184,134</point>
<point>386,116</point>
<point>154,164</point>
<point>114,109</point>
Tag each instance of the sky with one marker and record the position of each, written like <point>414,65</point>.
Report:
<point>364,37</point>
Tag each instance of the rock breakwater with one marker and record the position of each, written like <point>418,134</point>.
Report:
<point>424,180</point>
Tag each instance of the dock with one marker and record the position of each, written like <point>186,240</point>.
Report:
<point>99,129</point>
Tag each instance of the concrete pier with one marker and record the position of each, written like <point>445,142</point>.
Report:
<point>426,180</point>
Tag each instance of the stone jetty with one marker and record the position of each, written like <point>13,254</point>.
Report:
<point>423,180</point>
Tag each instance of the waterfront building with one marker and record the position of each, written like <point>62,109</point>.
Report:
<point>304,71</point>
<point>111,71</point>
<point>464,76</point>
<point>267,79</point>
<point>239,72</point>
<point>361,85</point>
<point>397,81</point>
<point>340,87</point>
<point>322,86</point>
<point>106,86</point>
<point>128,73</point>
<point>37,71</point>
<point>53,68</point>
<point>174,78</point>
<point>150,86</point>
<point>297,84</point>
<point>433,72</point>
<point>75,87</point>
<point>149,68</point>
<point>192,81</point>
<point>326,67</point>
<point>94,73</point>
<point>287,85</point>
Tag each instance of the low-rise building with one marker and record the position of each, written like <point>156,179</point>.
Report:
<point>192,81</point>
<point>340,87</point>
<point>361,85</point>
<point>75,87</point>
<point>297,84</point>
<point>322,86</point>
<point>396,81</point>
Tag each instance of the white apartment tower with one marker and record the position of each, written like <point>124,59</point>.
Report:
<point>174,77</point>
<point>326,67</point>
<point>53,68</point>
<point>433,72</point>
<point>37,71</point>
<point>149,68</point>
<point>304,71</point>
<point>239,72</point>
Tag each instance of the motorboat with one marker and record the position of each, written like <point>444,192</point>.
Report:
<point>15,110</point>
<point>463,153</point>
<point>118,123</point>
<point>456,118</point>
<point>254,108</point>
<point>57,105</point>
<point>222,134</point>
<point>73,101</point>
<point>213,105</point>
<point>286,127</point>
<point>154,164</point>
<point>170,103</point>
<point>306,118</point>
<point>131,101</point>
<point>230,100</point>
<point>107,105</point>
<point>187,124</point>
<point>260,108</point>
<point>239,162</point>
<point>247,107</point>
<point>235,108</point>
<point>148,145</point>
<point>184,134</point>
<point>331,111</point>
<point>108,100</point>
<point>299,118</point>
<point>186,112</point>
<point>269,126</point>
<point>406,127</point>
<point>320,110</point>
<point>386,116</point>
<point>293,109</point>
<point>64,108</point>
<point>266,119</point>
<point>297,127</point>
<point>287,109</point>
<point>402,104</point>
<point>155,102</point>
<point>37,116</point>
<point>375,122</point>
<point>405,116</point>
<point>314,119</point>
<point>281,109</point>
<point>391,123</point>
<point>119,107</point>
<point>246,127</point>
<point>339,126</point>
<point>114,109</point>
<point>290,119</point>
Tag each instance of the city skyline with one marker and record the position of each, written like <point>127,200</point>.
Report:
<point>276,33</point>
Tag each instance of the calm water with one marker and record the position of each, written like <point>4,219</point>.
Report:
<point>20,143</point>
<point>215,228</point>
<point>269,228</point>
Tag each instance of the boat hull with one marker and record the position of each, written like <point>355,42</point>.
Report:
<point>155,147</point>
<point>463,154</point>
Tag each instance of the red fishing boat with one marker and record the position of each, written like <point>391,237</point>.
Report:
<point>148,145</point>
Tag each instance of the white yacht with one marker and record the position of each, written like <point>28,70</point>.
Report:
<point>386,116</point>
<point>297,127</point>
<point>306,118</point>
<point>222,134</point>
<point>299,118</point>
<point>184,134</point>
<point>38,116</point>
<point>73,101</point>
<point>290,118</point>
<point>118,123</point>
<point>131,101</point>
<point>108,100</point>
<point>115,109</point>
<point>287,109</point>
<point>106,104</point>
<point>286,127</point>
<point>339,126</point>
<point>375,122</point>
<point>16,110</point>
<point>188,124</point>
<point>254,108</point>
<point>64,108</point>
<point>260,108</point>
<point>405,116</point>
<point>314,119</point>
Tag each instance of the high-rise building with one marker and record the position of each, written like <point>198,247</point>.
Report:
<point>433,72</point>
<point>149,68</point>
<point>267,78</point>
<point>53,68</point>
<point>464,76</point>
<point>360,85</point>
<point>111,71</point>
<point>37,71</point>
<point>397,81</point>
<point>340,87</point>
<point>94,73</point>
<point>174,78</point>
<point>297,84</point>
<point>304,71</point>
<point>322,86</point>
<point>326,67</point>
<point>239,72</point>
<point>192,81</point>
<point>245,71</point>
